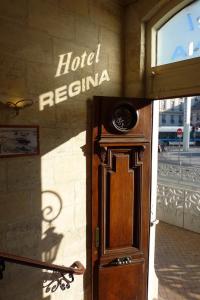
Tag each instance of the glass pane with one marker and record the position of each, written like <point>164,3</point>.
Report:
<point>179,38</point>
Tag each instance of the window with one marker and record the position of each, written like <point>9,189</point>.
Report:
<point>178,39</point>
<point>173,51</point>
<point>163,119</point>
<point>180,120</point>
<point>172,119</point>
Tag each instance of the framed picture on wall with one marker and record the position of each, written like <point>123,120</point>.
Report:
<point>19,140</point>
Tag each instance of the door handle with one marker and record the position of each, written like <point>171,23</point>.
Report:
<point>121,261</point>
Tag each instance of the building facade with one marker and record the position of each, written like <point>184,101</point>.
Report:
<point>172,111</point>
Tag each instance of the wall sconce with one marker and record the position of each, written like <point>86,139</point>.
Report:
<point>19,104</point>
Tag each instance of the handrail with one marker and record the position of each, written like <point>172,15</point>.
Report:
<point>75,269</point>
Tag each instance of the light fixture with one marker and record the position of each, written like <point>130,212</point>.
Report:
<point>19,104</point>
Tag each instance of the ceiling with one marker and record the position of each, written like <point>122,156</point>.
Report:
<point>125,2</point>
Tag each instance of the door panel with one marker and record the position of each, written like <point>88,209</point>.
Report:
<point>121,282</point>
<point>120,197</point>
<point>119,225</point>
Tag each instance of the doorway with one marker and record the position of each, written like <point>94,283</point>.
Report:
<point>171,71</point>
<point>177,260</point>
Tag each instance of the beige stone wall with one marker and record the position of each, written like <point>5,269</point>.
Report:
<point>136,17</point>
<point>43,202</point>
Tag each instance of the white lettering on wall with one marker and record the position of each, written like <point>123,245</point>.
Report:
<point>46,99</point>
<point>104,77</point>
<point>69,62</point>
<point>60,94</point>
<point>63,63</point>
<point>92,81</point>
<point>73,89</point>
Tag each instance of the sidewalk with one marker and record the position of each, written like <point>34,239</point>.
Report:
<point>177,263</point>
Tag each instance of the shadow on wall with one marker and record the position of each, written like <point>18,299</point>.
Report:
<point>51,240</point>
<point>23,238</point>
<point>27,186</point>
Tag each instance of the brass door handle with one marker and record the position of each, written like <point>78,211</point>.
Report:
<point>121,261</point>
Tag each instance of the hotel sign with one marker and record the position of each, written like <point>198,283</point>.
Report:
<point>67,63</point>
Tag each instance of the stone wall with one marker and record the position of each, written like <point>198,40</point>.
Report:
<point>136,17</point>
<point>45,201</point>
<point>179,205</point>
<point>178,195</point>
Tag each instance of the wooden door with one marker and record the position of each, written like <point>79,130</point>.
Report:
<point>121,197</point>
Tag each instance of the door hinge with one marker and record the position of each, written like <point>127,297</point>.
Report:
<point>97,237</point>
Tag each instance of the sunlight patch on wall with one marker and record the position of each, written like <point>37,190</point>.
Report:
<point>63,205</point>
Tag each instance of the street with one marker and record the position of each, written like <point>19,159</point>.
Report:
<point>172,155</point>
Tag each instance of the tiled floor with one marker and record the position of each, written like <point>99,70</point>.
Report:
<point>177,263</point>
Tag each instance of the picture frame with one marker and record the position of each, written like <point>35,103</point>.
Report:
<point>19,140</point>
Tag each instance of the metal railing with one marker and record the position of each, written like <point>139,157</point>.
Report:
<point>56,279</point>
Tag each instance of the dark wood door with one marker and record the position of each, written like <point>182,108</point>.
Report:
<point>121,197</point>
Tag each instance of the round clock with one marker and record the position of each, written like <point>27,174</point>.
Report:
<point>124,117</point>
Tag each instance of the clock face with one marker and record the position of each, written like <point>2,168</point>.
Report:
<point>124,118</point>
